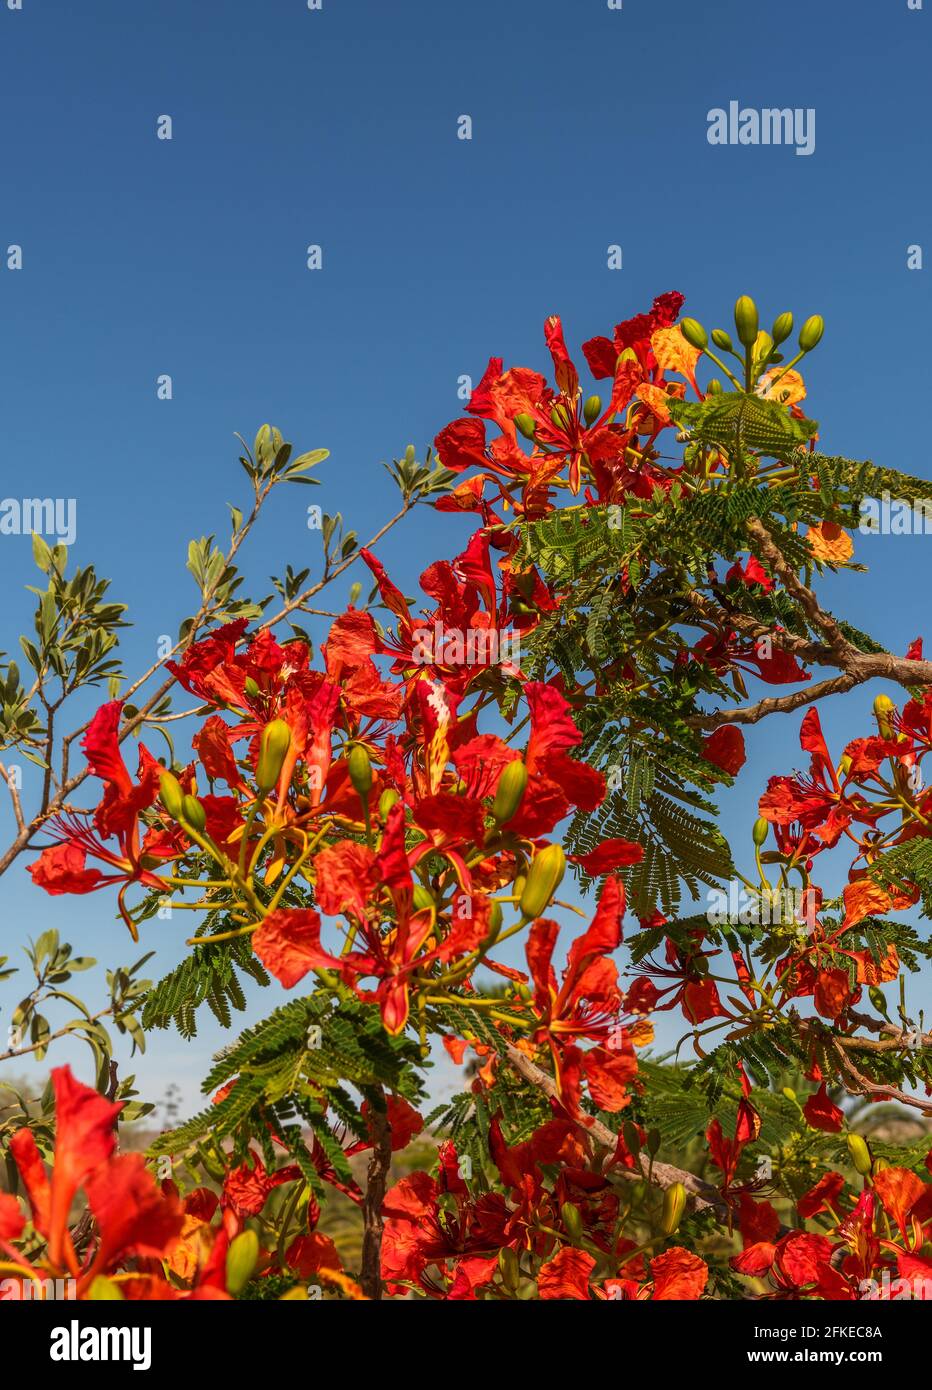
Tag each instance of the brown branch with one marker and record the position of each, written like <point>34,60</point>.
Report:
<point>704,1196</point>
<point>855,667</point>
<point>377,1179</point>
<point>15,798</point>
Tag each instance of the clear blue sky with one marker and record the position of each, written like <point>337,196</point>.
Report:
<point>339,127</point>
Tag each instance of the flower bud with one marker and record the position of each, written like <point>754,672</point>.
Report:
<point>104,1290</point>
<point>811,333</point>
<point>410,454</point>
<point>251,687</point>
<point>876,996</point>
<point>559,418</point>
<point>193,813</point>
<point>387,800</point>
<point>765,347</point>
<point>746,320</point>
<point>360,770</point>
<point>714,387</point>
<point>496,918</point>
<point>509,1268</point>
<point>242,1257</point>
<point>782,328</point>
<point>526,424</point>
<point>844,766</point>
<point>510,790</point>
<point>883,708</point>
<point>860,1154</point>
<point>653,1142</point>
<point>629,1132</point>
<point>543,880</point>
<point>722,340</point>
<point>761,830</point>
<point>422,898</point>
<point>592,409</point>
<point>274,743</point>
<point>694,333</point>
<point>674,1205</point>
<point>789,1093</point>
<point>571,1217</point>
<point>171,794</point>
<point>880,1165</point>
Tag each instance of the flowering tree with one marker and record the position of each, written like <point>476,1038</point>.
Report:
<point>364,826</point>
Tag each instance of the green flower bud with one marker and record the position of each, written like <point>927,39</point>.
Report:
<point>722,340</point>
<point>674,1205</point>
<point>694,333</point>
<point>629,1132</point>
<point>510,790</point>
<point>572,1220</point>
<point>761,831</point>
<point>811,333</point>
<point>274,743</point>
<point>860,1154</point>
<point>251,687</point>
<point>509,1268</point>
<point>592,409</point>
<point>193,813</point>
<point>653,1142</point>
<point>543,880</point>
<point>714,387</point>
<point>387,800</point>
<point>171,794</point>
<point>410,454</point>
<point>559,417</point>
<point>746,320</point>
<point>496,918</point>
<point>242,1257</point>
<point>526,424</point>
<point>782,328</point>
<point>360,770</point>
<point>422,898</point>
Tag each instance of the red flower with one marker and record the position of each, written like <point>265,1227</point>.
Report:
<point>823,1113</point>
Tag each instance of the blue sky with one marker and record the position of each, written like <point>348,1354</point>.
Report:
<point>338,127</point>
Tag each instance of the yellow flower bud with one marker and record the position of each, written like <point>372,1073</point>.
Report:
<point>387,800</point>
<point>860,1154</point>
<point>674,1205</point>
<point>883,708</point>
